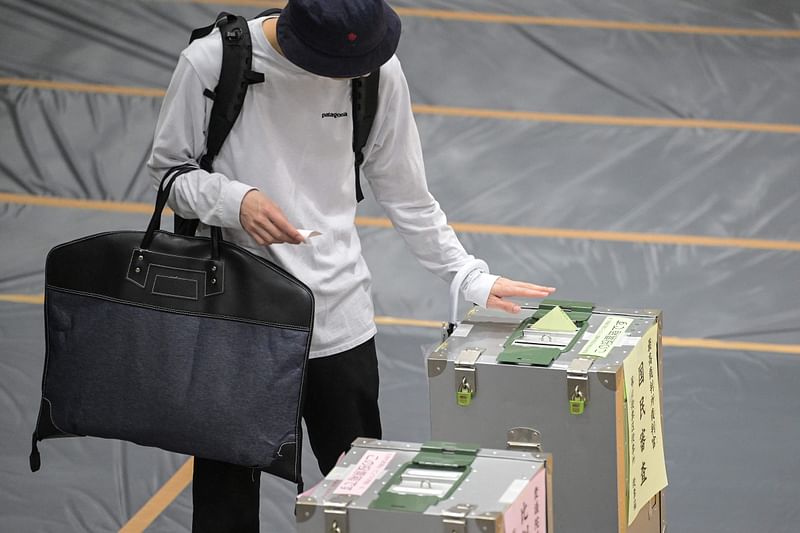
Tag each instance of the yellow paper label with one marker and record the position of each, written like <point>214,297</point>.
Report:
<point>647,470</point>
<point>606,336</point>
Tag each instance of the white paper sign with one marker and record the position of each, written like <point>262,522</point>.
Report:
<point>606,336</point>
<point>647,470</point>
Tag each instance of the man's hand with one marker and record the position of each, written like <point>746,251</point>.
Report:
<point>265,221</point>
<point>505,288</point>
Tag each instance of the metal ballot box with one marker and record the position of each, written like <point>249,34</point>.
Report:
<point>553,379</point>
<point>399,487</point>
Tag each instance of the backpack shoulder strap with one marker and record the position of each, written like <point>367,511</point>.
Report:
<point>236,75</point>
<point>269,12</point>
<point>365,105</point>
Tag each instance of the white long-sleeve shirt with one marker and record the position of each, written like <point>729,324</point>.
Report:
<point>293,141</point>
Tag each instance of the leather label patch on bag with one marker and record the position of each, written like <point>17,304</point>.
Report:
<point>146,266</point>
<point>175,287</point>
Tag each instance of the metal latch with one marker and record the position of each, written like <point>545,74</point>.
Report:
<point>578,384</point>
<point>336,514</point>
<point>447,329</point>
<point>454,519</point>
<point>524,438</point>
<point>466,381</point>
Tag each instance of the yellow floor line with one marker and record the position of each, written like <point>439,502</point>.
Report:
<point>606,120</point>
<point>466,112</point>
<point>713,344</point>
<point>70,203</point>
<point>83,87</point>
<point>501,18</point>
<point>461,227</point>
<point>23,298</point>
<point>161,499</point>
<point>596,235</point>
<point>678,342</point>
<point>411,322</point>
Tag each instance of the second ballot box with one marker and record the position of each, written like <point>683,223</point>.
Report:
<point>401,487</point>
<point>571,379</point>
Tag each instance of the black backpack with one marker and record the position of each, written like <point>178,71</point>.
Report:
<point>236,75</point>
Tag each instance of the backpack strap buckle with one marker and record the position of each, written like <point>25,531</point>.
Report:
<point>234,35</point>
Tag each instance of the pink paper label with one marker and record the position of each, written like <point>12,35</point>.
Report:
<point>311,490</point>
<point>370,467</point>
<point>528,513</point>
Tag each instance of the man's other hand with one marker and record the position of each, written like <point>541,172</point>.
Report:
<point>265,221</point>
<point>508,288</point>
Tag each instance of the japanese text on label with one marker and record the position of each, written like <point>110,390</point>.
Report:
<point>647,472</point>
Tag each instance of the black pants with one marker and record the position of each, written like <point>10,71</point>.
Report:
<point>341,404</point>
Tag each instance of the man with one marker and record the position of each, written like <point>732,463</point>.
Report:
<point>288,163</point>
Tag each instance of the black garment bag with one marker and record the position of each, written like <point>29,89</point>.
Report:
<point>190,344</point>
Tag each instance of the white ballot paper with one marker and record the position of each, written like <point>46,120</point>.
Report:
<point>308,233</point>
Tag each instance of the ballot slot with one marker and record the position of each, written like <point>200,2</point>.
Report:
<point>426,482</point>
<point>545,338</point>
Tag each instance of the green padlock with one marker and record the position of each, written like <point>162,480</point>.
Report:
<point>576,406</point>
<point>464,398</point>
<point>464,394</point>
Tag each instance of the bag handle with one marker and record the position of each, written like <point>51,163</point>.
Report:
<point>161,201</point>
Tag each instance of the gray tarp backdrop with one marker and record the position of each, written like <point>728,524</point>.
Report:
<point>732,415</point>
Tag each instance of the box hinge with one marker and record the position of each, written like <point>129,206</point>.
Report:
<point>465,374</point>
<point>446,454</point>
<point>454,519</point>
<point>522,438</point>
<point>578,384</point>
<point>336,514</point>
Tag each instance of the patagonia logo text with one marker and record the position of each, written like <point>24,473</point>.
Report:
<point>334,115</point>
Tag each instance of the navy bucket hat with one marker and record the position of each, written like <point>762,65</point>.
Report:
<point>338,38</point>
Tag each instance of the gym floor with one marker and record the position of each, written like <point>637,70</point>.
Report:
<point>634,153</point>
